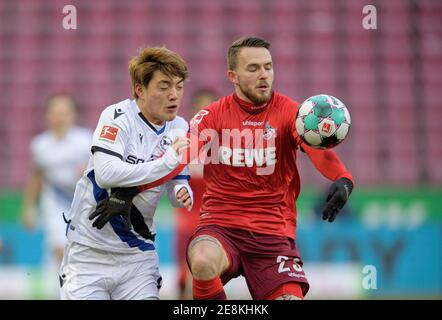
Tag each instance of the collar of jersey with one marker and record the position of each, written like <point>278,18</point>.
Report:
<point>250,107</point>
<point>149,124</point>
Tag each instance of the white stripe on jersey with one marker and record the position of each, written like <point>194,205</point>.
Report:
<point>126,136</point>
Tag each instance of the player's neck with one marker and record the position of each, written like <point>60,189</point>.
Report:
<point>149,117</point>
<point>60,133</point>
<point>152,120</point>
<point>248,106</point>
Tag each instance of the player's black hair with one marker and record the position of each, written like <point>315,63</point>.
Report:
<point>242,42</point>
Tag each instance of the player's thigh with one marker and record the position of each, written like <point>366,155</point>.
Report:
<point>208,248</point>
<point>79,279</point>
<point>141,279</point>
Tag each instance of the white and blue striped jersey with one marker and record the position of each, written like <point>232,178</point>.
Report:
<point>127,150</point>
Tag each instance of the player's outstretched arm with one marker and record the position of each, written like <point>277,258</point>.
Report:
<point>188,153</point>
<point>112,172</point>
<point>120,201</point>
<point>327,162</point>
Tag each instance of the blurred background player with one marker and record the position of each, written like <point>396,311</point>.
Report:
<point>186,222</point>
<point>59,157</point>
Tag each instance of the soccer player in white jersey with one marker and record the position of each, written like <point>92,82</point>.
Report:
<point>136,141</point>
<point>59,157</point>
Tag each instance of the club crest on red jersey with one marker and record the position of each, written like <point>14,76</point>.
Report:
<point>269,132</point>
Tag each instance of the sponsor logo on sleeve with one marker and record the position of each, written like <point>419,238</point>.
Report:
<point>109,133</point>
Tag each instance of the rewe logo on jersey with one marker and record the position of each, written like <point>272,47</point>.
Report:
<point>240,148</point>
<point>109,133</point>
<point>248,157</point>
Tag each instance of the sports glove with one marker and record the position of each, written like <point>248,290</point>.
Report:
<point>118,203</point>
<point>337,196</point>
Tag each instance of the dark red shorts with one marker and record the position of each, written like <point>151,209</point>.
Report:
<point>265,261</point>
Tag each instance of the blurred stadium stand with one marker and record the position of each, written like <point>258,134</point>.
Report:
<point>390,78</point>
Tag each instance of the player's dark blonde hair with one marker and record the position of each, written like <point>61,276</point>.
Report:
<point>242,43</point>
<point>149,60</point>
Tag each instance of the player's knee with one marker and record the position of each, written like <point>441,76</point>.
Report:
<point>203,267</point>
<point>206,257</point>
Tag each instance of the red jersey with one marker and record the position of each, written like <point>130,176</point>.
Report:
<point>250,171</point>
<point>251,175</point>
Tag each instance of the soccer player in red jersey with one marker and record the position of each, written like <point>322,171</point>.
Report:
<point>244,226</point>
<point>247,221</point>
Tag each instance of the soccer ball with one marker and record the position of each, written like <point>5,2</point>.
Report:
<point>323,121</point>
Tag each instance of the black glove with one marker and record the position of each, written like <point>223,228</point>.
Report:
<point>118,203</point>
<point>338,195</point>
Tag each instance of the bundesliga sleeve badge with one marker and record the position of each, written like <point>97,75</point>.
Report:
<point>109,133</point>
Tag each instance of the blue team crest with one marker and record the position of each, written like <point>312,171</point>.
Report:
<point>165,142</point>
<point>161,148</point>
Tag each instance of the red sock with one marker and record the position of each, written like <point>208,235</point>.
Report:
<point>208,289</point>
